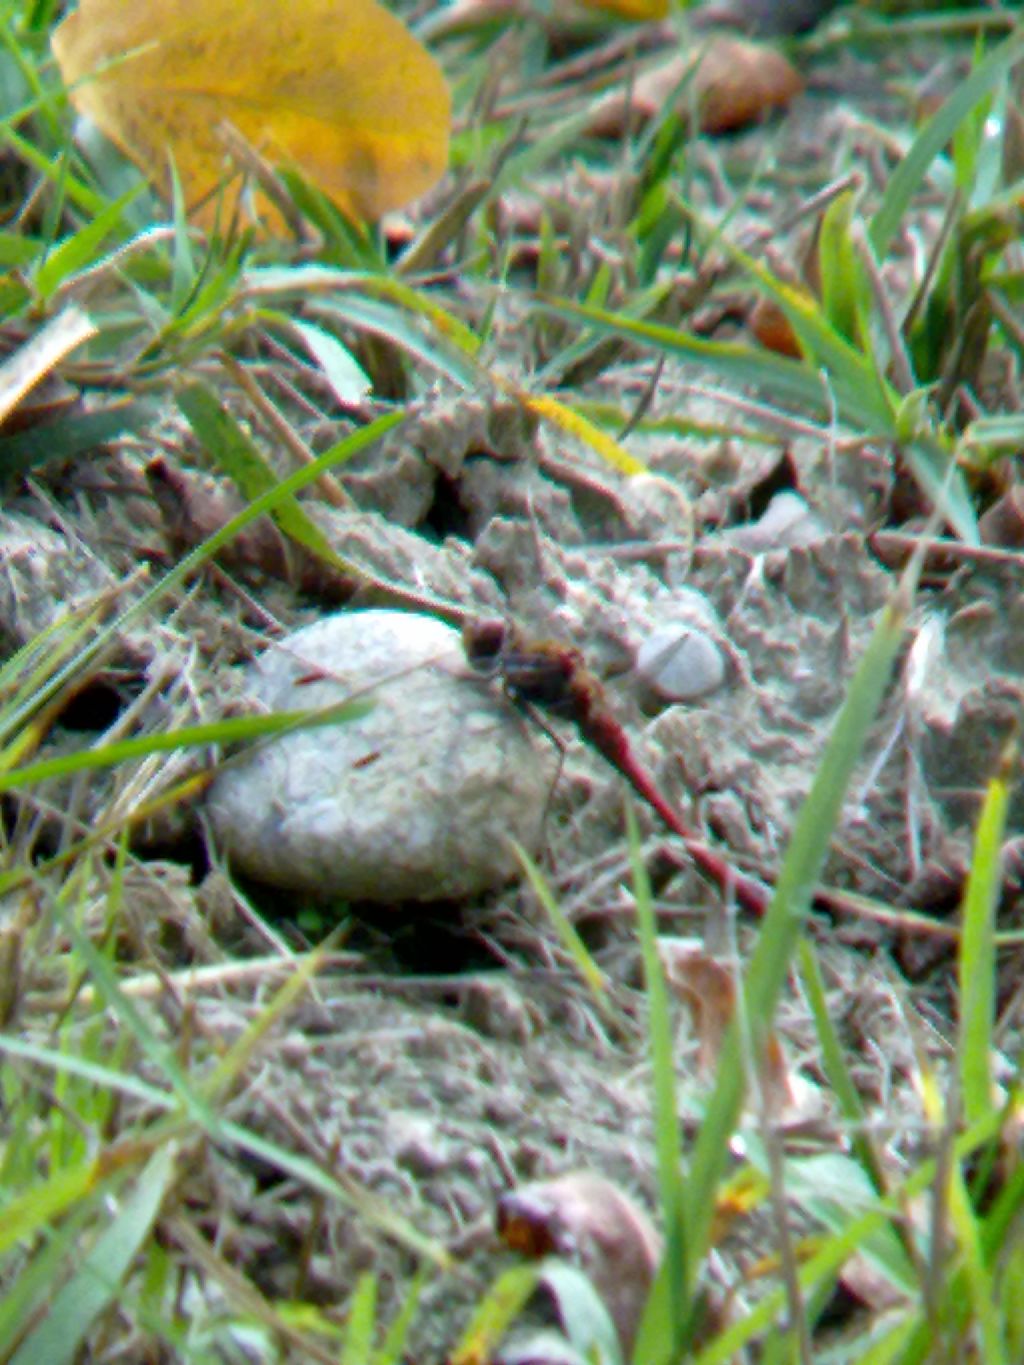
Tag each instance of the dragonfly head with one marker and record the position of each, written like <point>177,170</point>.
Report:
<point>484,641</point>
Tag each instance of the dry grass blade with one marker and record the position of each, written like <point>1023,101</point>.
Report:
<point>36,359</point>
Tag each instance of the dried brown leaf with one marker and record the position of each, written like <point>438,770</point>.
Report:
<point>585,1218</point>
<point>732,85</point>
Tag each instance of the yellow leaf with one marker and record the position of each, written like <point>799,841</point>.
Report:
<point>338,89</point>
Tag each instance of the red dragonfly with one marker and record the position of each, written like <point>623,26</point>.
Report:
<point>554,677</point>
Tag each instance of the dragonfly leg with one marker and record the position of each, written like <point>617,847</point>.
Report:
<point>528,709</point>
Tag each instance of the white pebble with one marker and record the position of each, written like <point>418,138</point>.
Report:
<point>680,663</point>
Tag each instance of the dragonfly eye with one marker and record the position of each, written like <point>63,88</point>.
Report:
<point>483,642</point>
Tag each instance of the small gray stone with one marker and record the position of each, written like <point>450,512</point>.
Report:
<point>680,663</point>
<point>416,800</point>
<point>785,522</point>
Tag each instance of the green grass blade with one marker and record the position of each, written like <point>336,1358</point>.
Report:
<point>378,1212</point>
<point>521,168</point>
<point>394,326</point>
<point>28,1215</point>
<point>1010,1300</point>
<point>342,371</point>
<point>24,1296</point>
<point>861,396</point>
<point>360,1326</point>
<point>273,498</point>
<point>78,434</point>
<point>94,1072</point>
<point>79,251</point>
<point>1002,1219</point>
<point>422,303</point>
<point>61,1334</point>
<point>977,956</point>
<point>393,1351</point>
<point>864,398</point>
<point>663,1326</point>
<point>240,1052</point>
<point>232,729</point>
<point>53,169</point>
<point>68,1188</point>
<point>582,1313</point>
<point>159,1052</point>
<point>25,676</point>
<point>787,380</point>
<point>590,973</point>
<point>932,461</point>
<point>495,1313</point>
<point>908,176</point>
<point>783,923</point>
<point>976,1277</point>
<point>266,502</point>
<point>836,1070</point>
<point>240,458</point>
<point>842,282</point>
<point>326,286</point>
<point>832,1254</point>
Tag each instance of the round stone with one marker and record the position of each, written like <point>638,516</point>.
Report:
<point>417,799</point>
<point>680,663</point>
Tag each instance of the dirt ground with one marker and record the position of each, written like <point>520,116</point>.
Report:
<point>456,1054</point>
